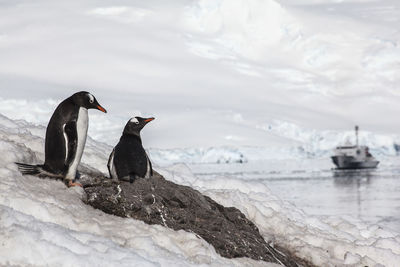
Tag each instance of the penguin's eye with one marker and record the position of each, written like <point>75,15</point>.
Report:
<point>134,120</point>
<point>91,99</point>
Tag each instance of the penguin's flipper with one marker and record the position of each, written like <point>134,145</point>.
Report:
<point>111,166</point>
<point>151,169</point>
<point>27,169</point>
<point>71,141</point>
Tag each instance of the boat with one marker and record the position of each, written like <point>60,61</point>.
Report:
<point>350,157</point>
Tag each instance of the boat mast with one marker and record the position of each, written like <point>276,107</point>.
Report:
<point>356,135</point>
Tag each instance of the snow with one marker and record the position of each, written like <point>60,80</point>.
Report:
<point>228,81</point>
<point>41,217</point>
<point>44,223</point>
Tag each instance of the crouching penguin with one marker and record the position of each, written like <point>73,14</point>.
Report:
<point>129,160</point>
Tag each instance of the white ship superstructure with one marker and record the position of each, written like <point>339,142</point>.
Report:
<point>354,156</point>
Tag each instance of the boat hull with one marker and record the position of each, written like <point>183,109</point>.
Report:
<point>349,163</point>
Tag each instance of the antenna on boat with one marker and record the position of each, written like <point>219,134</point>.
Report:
<point>356,135</point>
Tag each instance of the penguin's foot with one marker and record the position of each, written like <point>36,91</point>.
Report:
<point>73,183</point>
<point>132,178</point>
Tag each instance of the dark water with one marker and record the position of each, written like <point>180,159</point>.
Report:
<point>372,196</point>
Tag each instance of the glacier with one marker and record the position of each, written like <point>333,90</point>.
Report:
<point>275,139</point>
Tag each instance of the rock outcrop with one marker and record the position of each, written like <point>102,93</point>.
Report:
<point>159,201</point>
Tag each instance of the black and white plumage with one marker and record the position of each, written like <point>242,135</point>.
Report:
<point>65,138</point>
<point>129,160</point>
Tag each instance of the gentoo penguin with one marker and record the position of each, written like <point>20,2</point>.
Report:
<point>65,139</point>
<point>129,160</point>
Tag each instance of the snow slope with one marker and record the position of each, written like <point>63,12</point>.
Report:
<point>43,222</point>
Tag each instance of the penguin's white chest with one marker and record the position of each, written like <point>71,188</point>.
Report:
<point>82,124</point>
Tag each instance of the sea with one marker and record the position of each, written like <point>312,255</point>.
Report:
<point>371,196</point>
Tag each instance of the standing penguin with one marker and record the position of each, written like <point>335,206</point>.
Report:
<point>65,138</point>
<point>129,160</point>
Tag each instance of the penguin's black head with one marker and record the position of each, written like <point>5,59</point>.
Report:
<point>86,100</point>
<point>135,125</point>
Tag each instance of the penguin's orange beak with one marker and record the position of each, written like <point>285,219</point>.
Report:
<point>101,108</point>
<point>148,120</point>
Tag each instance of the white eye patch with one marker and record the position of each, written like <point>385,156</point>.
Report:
<point>91,98</point>
<point>134,120</point>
